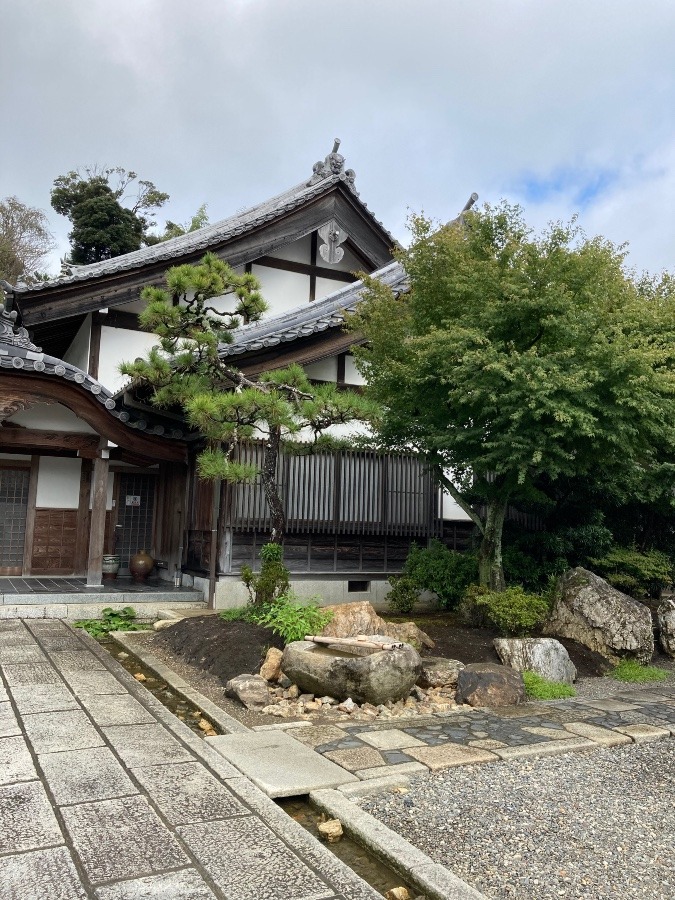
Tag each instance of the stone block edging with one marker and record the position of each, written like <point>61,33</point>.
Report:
<point>218,717</point>
<point>433,879</point>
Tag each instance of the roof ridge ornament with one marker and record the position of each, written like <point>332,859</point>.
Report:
<point>11,334</point>
<point>333,164</point>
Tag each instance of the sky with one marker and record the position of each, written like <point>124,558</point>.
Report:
<point>564,106</point>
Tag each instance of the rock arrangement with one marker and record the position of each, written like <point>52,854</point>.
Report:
<point>545,656</point>
<point>665,618</point>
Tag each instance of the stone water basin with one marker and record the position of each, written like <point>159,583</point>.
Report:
<point>367,676</point>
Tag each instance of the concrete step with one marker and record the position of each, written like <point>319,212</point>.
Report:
<point>90,606</point>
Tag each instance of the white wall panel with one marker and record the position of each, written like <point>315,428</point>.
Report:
<point>298,251</point>
<point>282,290</point>
<point>352,374</point>
<point>323,370</point>
<point>51,417</point>
<point>58,484</point>
<point>120,345</point>
<point>78,352</point>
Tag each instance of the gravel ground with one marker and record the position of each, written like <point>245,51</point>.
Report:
<point>599,824</point>
<point>596,688</point>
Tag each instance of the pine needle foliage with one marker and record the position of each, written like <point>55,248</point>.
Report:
<point>194,316</point>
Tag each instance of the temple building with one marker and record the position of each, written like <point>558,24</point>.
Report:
<point>87,468</point>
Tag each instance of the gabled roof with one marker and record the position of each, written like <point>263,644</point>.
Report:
<point>311,318</point>
<point>326,176</point>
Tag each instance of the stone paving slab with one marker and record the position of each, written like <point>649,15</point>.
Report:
<point>48,874</point>
<point>66,730</point>
<point>280,765</point>
<point>27,821</point>
<point>448,755</point>
<point>84,776</point>
<point>16,763</point>
<point>121,839</point>
<point>142,745</point>
<point>21,653</point>
<point>43,698</point>
<point>393,739</point>
<point>642,734</point>
<point>75,661</point>
<point>552,748</point>
<point>605,737</point>
<point>184,885</point>
<point>82,683</point>
<point>8,724</point>
<point>38,673</point>
<point>251,863</point>
<point>118,709</point>
<point>187,793</point>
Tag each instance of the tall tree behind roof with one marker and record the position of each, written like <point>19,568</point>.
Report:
<point>25,240</point>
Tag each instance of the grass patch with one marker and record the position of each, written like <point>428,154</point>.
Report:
<point>111,620</point>
<point>632,671</point>
<point>542,689</point>
<point>238,614</point>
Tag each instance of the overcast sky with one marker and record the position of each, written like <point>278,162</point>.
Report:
<point>562,105</point>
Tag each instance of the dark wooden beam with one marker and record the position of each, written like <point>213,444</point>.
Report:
<point>341,365</point>
<point>97,523</point>
<point>82,536</point>
<point>314,243</point>
<point>117,319</point>
<point>313,349</point>
<point>84,444</point>
<point>30,516</point>
<point>288,265</point>
<point>88,408</point>
<point>94,346</point>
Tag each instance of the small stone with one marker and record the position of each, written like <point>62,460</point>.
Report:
<point>328,701</point>
<point>348,706</point>
<point>139,676</point>
<point>196,715</point>
<point>306,698</point>
<point>161,624</point>
<point>284,681</point>
<point>397,893</point>
<point>204,725</point>
<point>251,690</point>
<point>312,706</point>
<point>122,655</point>
<point>293,692</point>
<point>331,830</point>
<point>418,693</point>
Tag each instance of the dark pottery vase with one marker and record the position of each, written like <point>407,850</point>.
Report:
<point>140,565</point>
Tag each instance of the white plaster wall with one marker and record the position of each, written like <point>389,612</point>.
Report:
<point>282,290</point>
<point>58,484</point>
<point>348,263</point>
<point>352,374</point>
<point>120,345</point>
<point>323,370</point>
<point>452,510</point>
<point>78,352</point>
<point>231,593</point>
<point>51,417</point>
<point>298,251</point>
<point>326,286</point>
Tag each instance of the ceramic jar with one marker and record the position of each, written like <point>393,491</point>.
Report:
<point>140,565</point>
<point>111,566</point>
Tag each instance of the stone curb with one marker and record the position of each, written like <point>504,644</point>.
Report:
<point>226,723</point>
<point>432,879</point>
<point>375,786</point>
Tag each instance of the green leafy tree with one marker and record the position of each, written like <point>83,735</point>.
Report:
<point>515,357</point>
<point>25,240</point>
<point>221,402</point>
<point>107,221</point>
<point>174,229</point>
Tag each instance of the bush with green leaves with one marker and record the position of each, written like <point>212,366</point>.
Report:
<point>539,688</point>
<point>640,574</point>
<point>632,671</point>
<point>513,612</point>
<point>111,620</point>
<point>236,614</point>
<point>273,579</point>
<point>435,568</point>
<point>292,619</point>
<point>403,594</point>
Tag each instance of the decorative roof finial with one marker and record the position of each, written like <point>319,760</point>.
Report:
<point>12,334</point>
<point>333,164</point>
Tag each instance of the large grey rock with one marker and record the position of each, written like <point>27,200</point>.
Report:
<point>665,617</point>
<point>545,656</point>
<point>439,672</point>
<point>589,610</point>
<point>251,690</point>
<point>370,678</point>
<point>487,684</point>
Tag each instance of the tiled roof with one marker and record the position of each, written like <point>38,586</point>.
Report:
<point>310,318</point>
<point>321,182</point>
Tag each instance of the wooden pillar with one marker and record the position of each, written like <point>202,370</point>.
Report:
<point>99,495</point>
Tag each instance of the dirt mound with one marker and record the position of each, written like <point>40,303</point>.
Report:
<point>225,649</point>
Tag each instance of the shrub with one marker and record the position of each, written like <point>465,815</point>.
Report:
<point>443,571</point>
<point>272,581</point>
<point>293,620</point>
<point>639,574</point>
<point>513,612</point>
<point>403,594</point>
<point>468,612</point>
<point>542,689</point>
<point>631,670</point>
<point>111,620</point>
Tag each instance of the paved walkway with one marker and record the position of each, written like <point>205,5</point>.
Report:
<point>462,737</point>
<point>105,794</point>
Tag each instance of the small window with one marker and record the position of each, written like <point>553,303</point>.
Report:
<point>358,587</point>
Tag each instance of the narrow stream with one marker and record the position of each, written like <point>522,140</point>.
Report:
<point>361,861</point>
